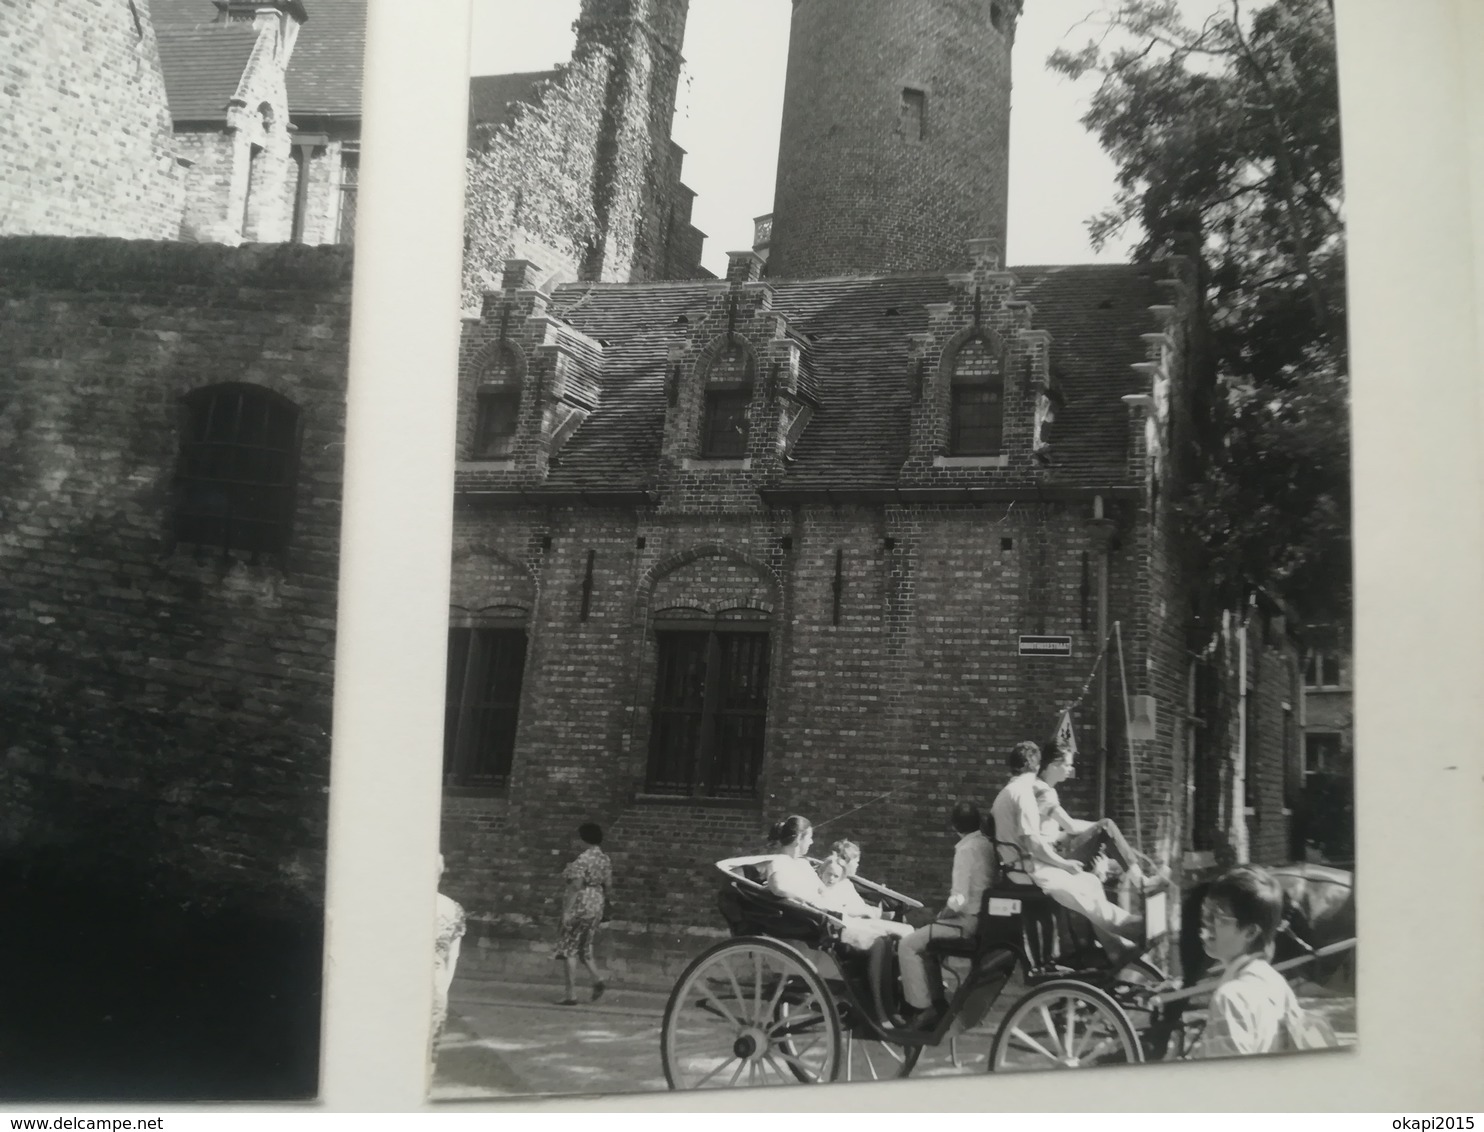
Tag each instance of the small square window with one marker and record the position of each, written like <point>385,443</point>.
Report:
<point>914,114</point>
<point>494,431</point>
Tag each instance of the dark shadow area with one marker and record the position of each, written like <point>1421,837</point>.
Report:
<point>117,989</point>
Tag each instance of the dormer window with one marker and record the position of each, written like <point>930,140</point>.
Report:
<point>724,425</point>
<point>497,417</point>
<point>977,409</point>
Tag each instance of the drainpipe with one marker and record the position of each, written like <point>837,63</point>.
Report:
<point>1239,778</point>
<point>1103,528</point>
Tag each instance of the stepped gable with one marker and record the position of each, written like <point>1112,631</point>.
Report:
<point>858,355</point>
<point>494,100</point>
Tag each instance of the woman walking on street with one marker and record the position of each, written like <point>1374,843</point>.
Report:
<point>587,879</point>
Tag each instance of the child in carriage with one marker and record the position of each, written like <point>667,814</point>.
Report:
<point>789,874</point>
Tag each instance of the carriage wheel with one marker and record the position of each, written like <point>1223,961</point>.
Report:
<point>1064,1024</point>
<point>865,1059</point>
<point>750,1011</point>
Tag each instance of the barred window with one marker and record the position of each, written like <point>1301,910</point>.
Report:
<point>486,667</point>
<point>977,409</point>
<point>710,710</point>
<point>238,467</point>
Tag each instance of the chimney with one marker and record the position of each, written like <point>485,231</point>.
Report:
<point>744,267</point>
<point>520,275</point>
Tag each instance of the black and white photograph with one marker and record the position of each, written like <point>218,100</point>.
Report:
<point>178,184</point>
<point>900,607</point>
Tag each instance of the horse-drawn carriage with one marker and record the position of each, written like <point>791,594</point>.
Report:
<point>785,1000</point>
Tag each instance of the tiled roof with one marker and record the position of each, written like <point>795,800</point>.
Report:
<point>493,98</point>
<point>203,60</point>
<point>328,64</point>
<point>203,67</point>
<point>858,355</point>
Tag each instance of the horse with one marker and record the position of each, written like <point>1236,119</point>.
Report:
<point>1318,910</point>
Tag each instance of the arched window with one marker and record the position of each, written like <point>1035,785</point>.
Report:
<point>710,703</point>
<point>238,468</point>
<point>728,393</point>
<point>977,411</point>
<point>497,411</point>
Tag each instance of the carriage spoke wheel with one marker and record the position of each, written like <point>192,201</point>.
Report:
<point>868,1060</point>
<point>1064,1024</point>
<point>750,1012</point>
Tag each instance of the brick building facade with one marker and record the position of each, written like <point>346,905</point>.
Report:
<point>171,445</point>
<point>265,98</point>
<point>574,169</point>
<point>726,550</point>
<point>86,149</point>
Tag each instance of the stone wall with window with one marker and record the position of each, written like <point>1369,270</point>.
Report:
<point>171,445</point>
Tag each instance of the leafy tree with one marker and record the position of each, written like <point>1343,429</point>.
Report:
<point>1230,129</point>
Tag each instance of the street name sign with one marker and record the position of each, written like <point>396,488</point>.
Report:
<point>1045,646</point>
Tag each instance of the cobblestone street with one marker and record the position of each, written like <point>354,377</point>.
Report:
<point>511,1039</point>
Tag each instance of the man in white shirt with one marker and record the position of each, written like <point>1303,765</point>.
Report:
<point>1018,825</point>
<point>922,978</point>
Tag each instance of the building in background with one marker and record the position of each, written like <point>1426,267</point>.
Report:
<point>574,170</point>
<point>831,534</point>
<point>172,421</point>
<point>265,98</point>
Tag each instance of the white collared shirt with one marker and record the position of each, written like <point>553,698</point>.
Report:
<point>971,872</point>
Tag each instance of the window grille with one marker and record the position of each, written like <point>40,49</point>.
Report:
<point>482,708</point>
<point>350,179</point>
<point>238,468</point>
<point>710,712</point>
<point>977,403</point>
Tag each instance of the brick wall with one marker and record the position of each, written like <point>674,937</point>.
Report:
<point>529,192</point>
<point>86,148</point>
<point>914,688</point>
<point>860,192</point>
<point>585,180</point>
<point>166,709</point>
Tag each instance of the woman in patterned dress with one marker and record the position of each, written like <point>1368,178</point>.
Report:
<point>587,879</point>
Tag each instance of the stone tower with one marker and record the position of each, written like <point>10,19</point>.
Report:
<point>896,134</point>
<point>637,163</point>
